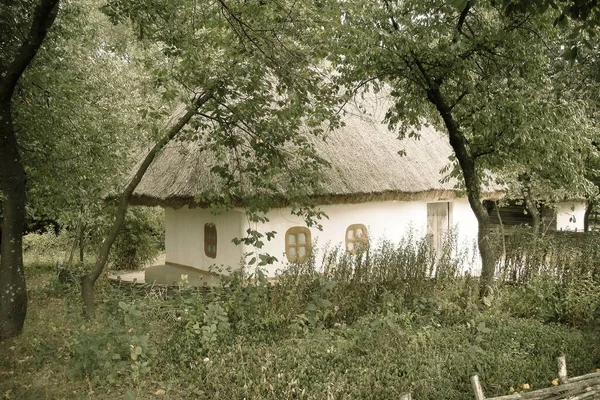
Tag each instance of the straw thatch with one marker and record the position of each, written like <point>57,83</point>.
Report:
<point>364,166</point>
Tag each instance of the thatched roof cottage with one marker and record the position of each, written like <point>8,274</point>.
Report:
<point>370,190</point>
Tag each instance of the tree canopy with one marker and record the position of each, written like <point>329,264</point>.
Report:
<point>487,77</point>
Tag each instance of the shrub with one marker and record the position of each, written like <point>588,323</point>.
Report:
<point>381,356</point>
<point>565,255</point>
<point>139,240</point>
<point>114,350</point>
<point>44,248</point>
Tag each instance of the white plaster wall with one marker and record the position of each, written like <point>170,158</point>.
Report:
<point>184,237</point>
<point>570,216</point>
<point>465,225</point>
<point>390,220</point>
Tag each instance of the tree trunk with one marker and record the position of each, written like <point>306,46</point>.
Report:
<point>88,281</point>
<point>586,217</point>
<point>13,292</point>
<point>77,239</point>
<point>502,257</point>
<point>81,241</point>
<point>473,185</point>
<point>536,218</point>
<point>73,247</point>
<point>530,206</point>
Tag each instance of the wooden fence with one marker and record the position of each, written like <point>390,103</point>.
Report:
<point>576,388</point>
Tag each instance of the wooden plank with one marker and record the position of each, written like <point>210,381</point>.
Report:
<point>584,377</point>
<point>477,388</point>
<point>579,390</point>
<point>562,369</point>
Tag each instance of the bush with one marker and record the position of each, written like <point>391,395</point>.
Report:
<point>372,327</point>
<point>140,240</point>
<point>117,350</point>
<point>44,248</point>
<point>381,356</point>
<point>564,255</point>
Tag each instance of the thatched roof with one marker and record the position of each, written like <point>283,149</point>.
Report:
<point>364,166</point>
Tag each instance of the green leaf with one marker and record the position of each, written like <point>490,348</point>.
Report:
<point>570,53</point>
<point>482,328</point>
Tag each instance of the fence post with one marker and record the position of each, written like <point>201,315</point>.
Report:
<point>562,369</point>
<point>477,388</point>
<point>405,396</point>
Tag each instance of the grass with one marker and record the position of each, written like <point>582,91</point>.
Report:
<point>368,327</point>
<point>431,350</point>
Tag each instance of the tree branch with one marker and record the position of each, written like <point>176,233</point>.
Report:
<point>460,97</point>
<point>461,19</point>
<point>174,127</point>
<point>43,18</point>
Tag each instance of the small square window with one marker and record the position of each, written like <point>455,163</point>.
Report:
<point>356,238</point>
<point>210,240</point>
<point>297,244</point>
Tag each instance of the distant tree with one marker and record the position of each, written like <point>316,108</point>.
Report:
<point>78,110</point>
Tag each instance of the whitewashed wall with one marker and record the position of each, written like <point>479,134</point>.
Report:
<point>465,225</point>
<point>184,237</point>
<point>390,220</point>
<point>570,216</point>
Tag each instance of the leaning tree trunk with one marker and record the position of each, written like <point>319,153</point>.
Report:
<point>467,165</point>
<point>13,292</point>
<point>588,213</point>
<point>88,281</point>
<point>472,183</point>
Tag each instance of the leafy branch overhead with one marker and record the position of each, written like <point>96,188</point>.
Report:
<point>493,80</point>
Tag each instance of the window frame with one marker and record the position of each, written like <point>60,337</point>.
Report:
<point>297,230</point>
<point>356,241</point>
<point>210,239</point>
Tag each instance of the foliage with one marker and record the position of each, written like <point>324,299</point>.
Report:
<point>505,112</point>
<point>365,329</point>
<point>139,240</point>
<point>77,110</point>
<point>116,350</point>
<point>263,60</point>
<point>488,79</point>
<point>567,256</point>
<point>554,277</point>
<point>46,247</point>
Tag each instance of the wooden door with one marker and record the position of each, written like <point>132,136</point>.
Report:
<point>438,224</point>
